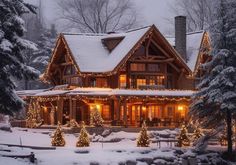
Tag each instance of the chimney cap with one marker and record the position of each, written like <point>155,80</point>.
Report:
<point>111,32</point>
<point>180,16</point>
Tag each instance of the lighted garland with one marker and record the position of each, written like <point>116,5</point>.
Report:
<point>57,138</point>
<point>83,140</point>
<point>143,139</point>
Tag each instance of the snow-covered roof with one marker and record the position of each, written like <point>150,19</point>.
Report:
<point>130,92</point>
<point>193,44</point>
<point>91,55</point>
<point>51,93</point>
<point>115,92</point>
<point>30,92</point>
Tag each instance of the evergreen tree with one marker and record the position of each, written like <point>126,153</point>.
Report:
<point>197,134</point>
<point>39,59</point>
<point>96,118</point>
<point>143,139</point>
<point>215,101</point>
<point>183,139</point>
<point>12,63</point>
<point>57,138</point>
<point>83,140</point>
<point>33,119</point>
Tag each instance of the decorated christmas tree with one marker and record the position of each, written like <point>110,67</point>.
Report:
<point>183,139</point>
<point>223,138</point>
<point>197,134</point>
<point>96,118</point>
<point>143,139</point>
<point>83,140</point>
<point>57,138</point>
<point>33,119</point>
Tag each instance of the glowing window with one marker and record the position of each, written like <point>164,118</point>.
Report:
<point>137,67</point>
<point>141,82</point>
<point>160,80</point>
<point>122,81</point>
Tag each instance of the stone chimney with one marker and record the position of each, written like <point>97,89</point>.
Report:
<point>180,36</point>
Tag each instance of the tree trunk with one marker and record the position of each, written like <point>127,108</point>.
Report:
<point>229,132</point>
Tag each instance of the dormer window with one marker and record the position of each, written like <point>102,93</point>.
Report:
<point>111,42</point>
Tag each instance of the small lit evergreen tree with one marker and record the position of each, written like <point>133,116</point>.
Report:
<point>143,139</point>
<point>183,139</point>
<point>57,138</point>
<point>96,118</point>
<point>223,137</point>
<point>83,140</point>
<point>33,119</point>
<point>197,134</point>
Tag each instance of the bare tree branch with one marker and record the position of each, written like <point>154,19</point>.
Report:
<point>198,12</point>
<point>98,16</point>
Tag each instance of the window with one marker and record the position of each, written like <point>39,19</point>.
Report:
<point>154,111</point>
<point>76,81</point>
<point>152,80</point>
<point>101,82</point>
<point>137,67</point>
<point>93,82</point>
<point>141,82</point>
<point>122,81</point>
<point>160,80</point>
<point>69,70</point>
<point>170,111</point>
<point>153,67</point>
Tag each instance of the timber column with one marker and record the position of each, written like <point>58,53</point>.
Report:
<point>125,112</point>
<point>60,109</point>
<point>72,103</point>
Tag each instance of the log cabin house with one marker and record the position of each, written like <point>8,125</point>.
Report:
<point>129,77</point>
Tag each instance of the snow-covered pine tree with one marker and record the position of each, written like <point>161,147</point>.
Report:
<point>39,59</point>
<point>215,101</point>
<point>12,63</point>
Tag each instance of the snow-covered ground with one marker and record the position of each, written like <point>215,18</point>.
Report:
<point>99,152</point>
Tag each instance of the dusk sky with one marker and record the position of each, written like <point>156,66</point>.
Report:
<point>156,12</point>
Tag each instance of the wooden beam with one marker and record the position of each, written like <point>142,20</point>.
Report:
<point>147,46</point>
<point>65,63</point>
<point>162,50</point>
<point>157,56</point>
<point>125,113</point>
<point>60,109</point>
<point>171,64</point>
<point>154,61</point>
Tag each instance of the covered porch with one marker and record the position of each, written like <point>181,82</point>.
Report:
<point>118,107</point>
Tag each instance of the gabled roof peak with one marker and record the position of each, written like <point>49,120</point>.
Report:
<point>106,34</point>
